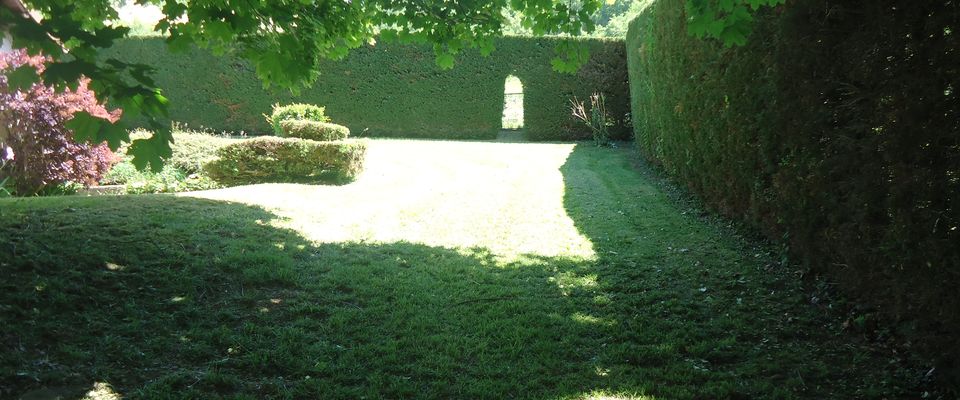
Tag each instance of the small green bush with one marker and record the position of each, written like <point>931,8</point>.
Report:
<point>597,119</point>
<point>313,130</point>
<point>169,180</point>
<point>182,172</point>
<point>308,112</point>
<point>273,159</point>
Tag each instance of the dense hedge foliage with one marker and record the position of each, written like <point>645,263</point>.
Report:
<point>273,159</point>
<point>396,90</point>
<point>297,111</point>
<point>313,130</point>
<point>835,130</point>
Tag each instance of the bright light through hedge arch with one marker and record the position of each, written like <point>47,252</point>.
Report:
<point>512,103</point>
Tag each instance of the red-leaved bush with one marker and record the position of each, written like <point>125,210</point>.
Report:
<point>37,148</point>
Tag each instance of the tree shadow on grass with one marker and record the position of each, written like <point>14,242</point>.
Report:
<point>702,312</point>
<point>162,296</point>
<point>173,297</point>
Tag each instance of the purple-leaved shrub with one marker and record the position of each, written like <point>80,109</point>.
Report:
<point>38,150</point>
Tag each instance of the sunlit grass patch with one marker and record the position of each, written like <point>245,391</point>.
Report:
<point>507,198</point>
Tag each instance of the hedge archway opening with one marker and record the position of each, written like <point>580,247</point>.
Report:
<point>512,104</point>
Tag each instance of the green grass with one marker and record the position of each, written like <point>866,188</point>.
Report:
<point>448,270</point>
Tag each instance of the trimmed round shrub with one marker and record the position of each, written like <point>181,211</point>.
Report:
<point>313,130</point>
<point>307,112</point>
<point>274,159</point>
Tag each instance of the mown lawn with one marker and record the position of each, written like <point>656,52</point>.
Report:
<point>448,270</point>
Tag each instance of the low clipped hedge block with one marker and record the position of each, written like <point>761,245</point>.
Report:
<point>274,159</point>
<point>192,150</point>
<point>296,111</point>
<point>313,130</point>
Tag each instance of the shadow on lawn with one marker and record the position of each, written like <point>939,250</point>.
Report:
<point>704,313</point>
<point>162,296</point>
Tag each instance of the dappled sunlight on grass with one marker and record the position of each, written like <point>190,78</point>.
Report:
<point>102,391</point>
<point>95,391</point>
<point>582,318</point>
<point>114,267</point>
<point>602,395</point>
<point>606,395</point>
<point>507,198</point>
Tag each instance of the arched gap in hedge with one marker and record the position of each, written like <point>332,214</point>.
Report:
<point>512,103</point>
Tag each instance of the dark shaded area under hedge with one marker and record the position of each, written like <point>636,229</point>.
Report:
<point>836,130</point>
<point>396,90</point>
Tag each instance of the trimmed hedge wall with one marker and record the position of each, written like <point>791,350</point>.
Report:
<point>836,131</point>
<point>395,90</point>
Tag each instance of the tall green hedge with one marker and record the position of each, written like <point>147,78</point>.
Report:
<point>836,131</point>
<point>395,90</point>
